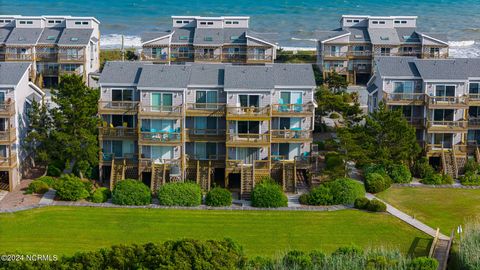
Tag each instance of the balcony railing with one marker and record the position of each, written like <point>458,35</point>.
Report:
<point>206,107</point>
<point>416,121</point>
<point>209,157</point>
<point>474,97</point>
<point>18,56</point>
<point>46,56</point>
<point>7,108</point>
<point>291,134</point>
<point>259,57</point>
<point>8,162</point>
<point>195,134</point>
<point>447,101</point>
<point>336,69</point>
<point>118,105</point>
<point>261,164</point>
<point>392,97</point>
<point>292,108</point>
<point>207,57</point>
<point>117,132</point>
<point>248,138</point>
<point>160,137</point>
<point>473,122</point>
<point>459,124</point>
<point>8,136</point>
<point>108,157</point>
<point>248,111</point>
<point>155,57</point>
<point>64,57</point>
<point>161,111</point>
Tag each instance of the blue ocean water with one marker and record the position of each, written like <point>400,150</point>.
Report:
<point>293,21</point>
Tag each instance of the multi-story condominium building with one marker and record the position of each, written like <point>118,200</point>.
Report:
<point>441,98</point>
<point>54,45</point>
<point>352,49</point>
<point>210,123</point>
<point>209,39</point>
<point>16,95</point>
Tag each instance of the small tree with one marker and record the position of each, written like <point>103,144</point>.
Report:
<point>336,82</point>
<point>38,139</point>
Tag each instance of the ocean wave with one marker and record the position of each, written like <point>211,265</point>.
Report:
<point>113,41</point>
<point>462,43</point>
<point>303,39</point>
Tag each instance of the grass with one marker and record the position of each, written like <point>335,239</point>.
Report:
<point>445,208</point>
<point>64,230</point>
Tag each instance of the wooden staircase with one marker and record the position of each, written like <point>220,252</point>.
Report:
<point>204,174</point>
<point>289,177</point>
<point>117,172</point>
<point>477,154</point>
<point>158,177</point>
<point>247,181</point>
<point>449,164</point>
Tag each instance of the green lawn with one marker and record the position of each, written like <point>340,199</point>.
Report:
<point>64,230</point>
<point>445,208</point>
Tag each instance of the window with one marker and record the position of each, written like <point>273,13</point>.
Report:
<point>58,21</point>
<point>404,22</point>
<point>434,52</point>
<point>51,38</point>
<point>382,22</point>
<point>358,36</point>
<point>204,151</point>
<point>7,21</point>
<point>443,115</point>
<point>183,38</point>
<point>248,127</point>
<point>205,125</point>
<point>84,23</point>
<point>289,123</point>
<point>208,38</point>
<point>349,21</point>
<point>403,87</point>
<point>51,21</point>
<point>210,23</point>
<point>259,54</point>
<point>235,22</point>
<point>118,120</point>
<point>397,22</point>
<point>356,21</point>
<point>385,51</point>
<point>443,140</point>
<point>206,99</point>
<point>249,100</point>
<point>384,38</point>
<point>335,51</point>
<point>228,22</point>
<point>203,23</point>
<point>70,67</point>
<point>234,37</point>
<point>186,21</point>
<point>22,22</point>
<point>184,52</point>
<point>122,95</point>
<point>474,88</point>
<point>178,21</point>
<point>445,90</point>
<point>288,98</point>
<point>74,39</point>
<point>474,112</point>
<point>162,102</point>
<point>78,23</point>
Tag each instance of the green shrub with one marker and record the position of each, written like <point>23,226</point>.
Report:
<point>400,174</point>
<point>70,188</point>
<point>53,171</point>
<point>351,250</point>
<point>218,197</point>
<point>470,179</point>
<point>375,182</point>
<point>320,195</point>
<point>101,195</point>
<point>50,181</point>
<point>361,203</point>
<point>471,166</point>
<point>376,206</point>
<point>296,259</point>
<point>345,190</point>
<point>131,192</point>
<point>37,186</point>
<point>437,179</point>
<point>447,179</point>
<point>268,194</point>
<point>333,160</point>
<point>422,168</point>
<point>180,194</point>
<point>334,115</point>
<point>423,263</point>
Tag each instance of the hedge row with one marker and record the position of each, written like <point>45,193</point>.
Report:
<point>340,191</point>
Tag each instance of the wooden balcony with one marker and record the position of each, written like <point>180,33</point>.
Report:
<point>359,54</point>
<point>234,57</point>
<point>8,137</point>
<point>473,123</point>
<point>160,138</point>
<point>437,149</point>
<point>339,70</point>
<point>292,110</point>
<point>335,55</point>
<point>46,56</point>
<point>205,109</point>
<point>460,126</point>
<point>118,107</point>
<point>474,99</point>
<point>247,140</point>
<point>417,122</point>
<point>200,57</point>
<point>289,135</point>
<point>7,108</point>
<point>106,158</point>
<point>127,133</point>
<point>158,112</point>
<point>163,58</point>
<point>443,102</point>
<point>204,135</point>
<point>259,58</point>
<point>404,98</point>
<point>248,113</point>
<point>145,164</point>
<point>233,166</point>
<point>9,162</point>
<point>71,58</point>
<point>18,56</point>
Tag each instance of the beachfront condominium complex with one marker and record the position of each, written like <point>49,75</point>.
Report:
<point>209,39</point>
<point>352,49</point>
<point>55,45</point>
<point>16,96</point>
<point>441,98</point>
<point>210,123</point>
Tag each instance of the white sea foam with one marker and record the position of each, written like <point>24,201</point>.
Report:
<point>463,43</point>
<point>113,41</point>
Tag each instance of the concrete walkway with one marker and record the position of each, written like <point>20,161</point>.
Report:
<point>48,197</point>
<point>3,193</point>
<point>409,219</point>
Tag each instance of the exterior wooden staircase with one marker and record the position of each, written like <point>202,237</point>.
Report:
<point>289,177</point>
<point>158,177</point>
<point>247,181</point>
<point>117,173</point>
<point>204,174</point>
<point>449,164</point>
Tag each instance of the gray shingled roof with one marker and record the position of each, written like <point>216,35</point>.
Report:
<point>50,36</point>
<point>11,73</point>
<point>268,37</point>
<point>383,36</point>
<point>183,31</point>
<point>207,74</point>
<point>325,35</point>
<point>396,67</point>
<point>75,37</point>
<point>123,73</point>
<point>407,35</point>
<point>24,36</point>
<point>238,35</point>
<point>163,76</point>
<point>294,75</point>
<point>358,34</point>
<point>208,36</point>
<point>449,69</point>
<point>4,32</point>
<point>441,37</point>
<point>148,36</point>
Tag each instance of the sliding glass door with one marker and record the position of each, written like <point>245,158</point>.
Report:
<point>162,102</point>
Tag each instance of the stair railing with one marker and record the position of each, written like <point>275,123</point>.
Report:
<point>444,162</point>
<point>455,165</point>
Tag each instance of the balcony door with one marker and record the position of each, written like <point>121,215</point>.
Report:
<point>247,155</point>
<point>3,151</point>
<point>122,95</point>
<point>445,90</point>
<point>249,101</point>
<point>205,151</point>
<point>205,125</point>
<point>161,153</point>
<point>206,99</point>
<point>443,115</point>
<point>291,98</point>
<point>162,102</point>
<point>334,50</point>
<point>443,140</point>
<point>248,127</point>
<point>162,125</point>
<point>290,123</point>
<point>2,97</point>
<point>289,151</point>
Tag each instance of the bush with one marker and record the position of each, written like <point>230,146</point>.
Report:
<point>268,194</point>
<point>437,179</point>
<point>346,190</point>
<point>37,186</point>
<point>400,174</point>
<point>375,182</point>
<point>376,206</point>
<point>101,195</point>
<point>180,194</point>
<point>49,180</point>
<point>320,195</point>
<point>422,168</point>
<point>218,197</point>
<point>468,246</point>
<point>470,179</point>
<point>423,263</point>
<point>333,160</point>
<point>471,166</point>
<point>296,259</point>
<point>70,188</point>
<point>53,171</point>
<point>361,203</point>
<point>351,250</point>
<point>131,192</point>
